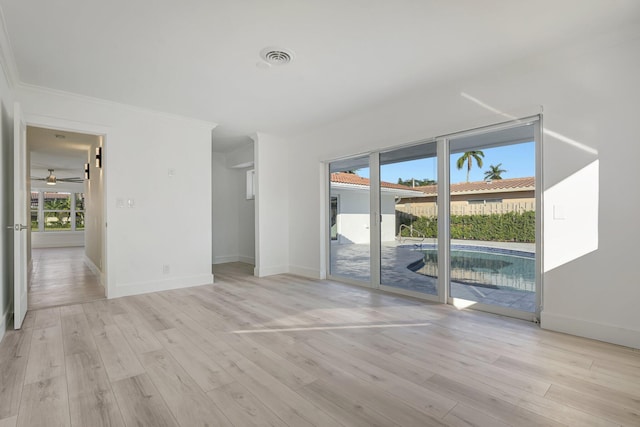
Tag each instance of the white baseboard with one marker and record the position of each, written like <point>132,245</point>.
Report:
<point>311,273</point>
<point>162,285</point>
<point>270,271</point>
<point>226,258</point>
<point>233,258</point>
<point>247,259</point>
<point>94,268</point>
<point>597,331</point>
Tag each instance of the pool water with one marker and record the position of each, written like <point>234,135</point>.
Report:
<point>494,269</point>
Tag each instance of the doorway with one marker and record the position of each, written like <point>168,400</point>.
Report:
<point>454,219</point>
<point>66,209</point>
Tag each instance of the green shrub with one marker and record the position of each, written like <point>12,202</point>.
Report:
<point>508,227</point>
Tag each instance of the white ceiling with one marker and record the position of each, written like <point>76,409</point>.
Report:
<point>65,152</point>
<point>198,57</point>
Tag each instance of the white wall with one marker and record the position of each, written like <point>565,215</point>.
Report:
<point>233,220</point>
<point>169,222</point>
<point>246,219</point>
<point>353,216</point>
<point>225,211</point>
<point>272,165</point>
<point>94,213</point>
<point>590,97</point>
<point>6,197</point>
<point>57,239</point>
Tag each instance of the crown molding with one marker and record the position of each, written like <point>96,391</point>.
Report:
<point>7,59</point>
<point>26,87</point>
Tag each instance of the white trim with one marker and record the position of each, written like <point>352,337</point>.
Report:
<point>444,219</point>
<point>233,258</point>
<point>162,285</point>
<point>538,136</point>
<point>226,258</point>
<point>375,223</point>
<point>247,259</point>
<point>54,122</point>
<point>94,268</point>
<point>584,328</point>
<point>310,273</point>
<point>270,271</point>
<point>113,104</point>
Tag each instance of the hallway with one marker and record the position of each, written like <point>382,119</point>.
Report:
<point>61,277</point>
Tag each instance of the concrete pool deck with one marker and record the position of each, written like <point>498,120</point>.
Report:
<point>352,261</point>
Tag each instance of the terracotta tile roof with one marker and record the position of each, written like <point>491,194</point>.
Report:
<point>495,186</point>
<point>353,179</point>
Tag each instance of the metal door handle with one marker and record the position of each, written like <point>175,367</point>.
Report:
<point>17,227</point>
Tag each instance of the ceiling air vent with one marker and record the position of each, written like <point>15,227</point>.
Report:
<point>276,56</point>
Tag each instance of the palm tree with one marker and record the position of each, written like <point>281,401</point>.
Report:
<point>468,157</point>
<point>494,172</point>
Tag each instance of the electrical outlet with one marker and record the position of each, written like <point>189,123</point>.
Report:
<point>166,269</point>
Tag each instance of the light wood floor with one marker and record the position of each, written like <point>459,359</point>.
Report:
<point>287,351</point>
<point>61,277</point>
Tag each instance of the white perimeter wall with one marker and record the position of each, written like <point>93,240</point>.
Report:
<point>591,98</point>
<point>170,221</point>
<point>353,216</point>
<point>273,178</point>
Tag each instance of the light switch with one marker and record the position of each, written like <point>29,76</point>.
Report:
<point>131,203</point>
<point>558,212</point>
<point>171,172</point>
<point>119,203</point>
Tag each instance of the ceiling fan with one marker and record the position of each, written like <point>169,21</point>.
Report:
<point>52,179</point>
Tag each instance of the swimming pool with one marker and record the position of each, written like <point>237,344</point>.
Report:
<point>483,266</point>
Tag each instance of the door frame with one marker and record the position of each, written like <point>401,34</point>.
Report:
<point>61,124</point>
<point>20,213</point>
<point>444,240</point>
<point>536,122</point>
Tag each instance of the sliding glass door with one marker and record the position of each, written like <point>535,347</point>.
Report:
<point>349,219</point>
<point>409,219</point>
<point>492,196</point>
<point>452,220</point>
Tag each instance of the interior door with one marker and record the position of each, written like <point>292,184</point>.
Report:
<point>20,217</point>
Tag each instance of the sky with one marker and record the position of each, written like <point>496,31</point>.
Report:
<point>518,160</point>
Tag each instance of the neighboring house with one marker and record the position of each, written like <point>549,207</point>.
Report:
<point>476,198</point>
<point>350,208</point>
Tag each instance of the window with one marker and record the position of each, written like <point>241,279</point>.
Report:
<point>79,211</point>
<point>57,211</point>
<point>35,202</point>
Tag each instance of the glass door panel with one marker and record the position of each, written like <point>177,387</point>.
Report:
<point>409,219</point>
<point>349,219</point>
<point>493,218</point>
